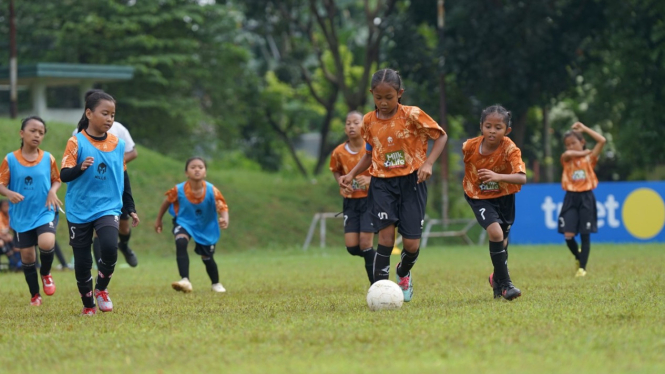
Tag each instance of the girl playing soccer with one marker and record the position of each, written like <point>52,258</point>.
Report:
<point>98,189</point>
<point>396,149</point>
<point>29,177</point>
<point>578,213</point>
<point>199,211</point>
<point>358,230</point>
<point>493,173</point>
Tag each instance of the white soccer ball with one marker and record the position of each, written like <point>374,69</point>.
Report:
<point>384,295</point>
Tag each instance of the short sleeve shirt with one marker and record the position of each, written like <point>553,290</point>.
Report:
<point>4,167</point>
<point>172,197</point>
<point>122,133</point>
<point>578,174</point>
<point>70,158</point>
<point>399,144</point>
<point>506,159</point>
<point>342,161</point>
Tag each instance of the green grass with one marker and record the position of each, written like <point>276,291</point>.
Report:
<point>266,210</point>
<point>288,311</point>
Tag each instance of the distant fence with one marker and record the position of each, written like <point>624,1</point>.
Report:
<point>627,212</point>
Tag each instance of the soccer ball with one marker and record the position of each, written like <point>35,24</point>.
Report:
<point>384,295</point>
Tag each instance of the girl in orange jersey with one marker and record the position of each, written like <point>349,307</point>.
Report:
<point>493,173</point>
<point>578,213</point>
<point>396,139</point>
<point>358,230</point>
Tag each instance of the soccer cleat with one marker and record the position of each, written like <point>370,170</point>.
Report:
<point>406,284</point>
<point>49,285</point>
<point>510,292</point>
<point>130,257</point>
<point>89,311</point>
<point>495,286</point>
<point>36,300</point>
<point>103,300</point>
<point>580,273</point>
<point>217,287</point>
<point>182,285</point>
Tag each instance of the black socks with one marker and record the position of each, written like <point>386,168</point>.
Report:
<point>182,257</point>
<point>499,258</point>
<point>30,272</point>
<point>367,254</point>
<point>586,248</point>
<point>82,266</point>
<point>574,249</point>
<point>46,257</point>
<point>382,262</point>
<point>123,241</point>
<point>408,260</point>
<point>211,269</point>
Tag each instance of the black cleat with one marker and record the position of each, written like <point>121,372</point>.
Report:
<point>510,292</point>
<point>130,257</point>
<point>495,286</point>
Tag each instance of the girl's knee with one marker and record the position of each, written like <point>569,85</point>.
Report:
<point>495,233</point>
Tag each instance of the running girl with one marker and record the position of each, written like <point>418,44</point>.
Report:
<point>493,173</point>
<point>396,152</point>
<point>358,230</point>
<point>98,189</point>
<point>29,177</point>
<point>578,213</point>
<point>199,211</point>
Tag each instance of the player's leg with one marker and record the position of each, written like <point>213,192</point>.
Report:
<point>207,253</point>
<point>46,245</point>
<point>588,224</point>
<point>382,207</point>
<point>569,223</point>
<point>182,238</point>
<point>411,214</point>
<point>125,232</point>
<point>80,239</point>
<point>107,231</point>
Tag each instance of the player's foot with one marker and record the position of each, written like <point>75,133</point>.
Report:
<point>182,285</point>
<point>103,300</point>
<point>130,257</point>
<point>217,287</point>
<point>36,300</point>
<point>580,273</point>
<point>49,285</point>
<point>89,311</point>
<point>495,286</point>
<point>406,284</point>
<point>510,292</point>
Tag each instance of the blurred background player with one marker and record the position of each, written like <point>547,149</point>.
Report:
<point>358,230</point>
<point>199,211</point>
<point>29,178</point>
<point>7,238</point>
<point>125,230</point>
<point>493,173</point>
<point>98,188</point>
<point>396,139</point>
<point>578,212</point>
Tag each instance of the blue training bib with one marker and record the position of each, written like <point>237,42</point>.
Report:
<point>34,183</point>
<point>200,220</point>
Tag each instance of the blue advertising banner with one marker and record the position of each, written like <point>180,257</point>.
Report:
<point>627,212</point>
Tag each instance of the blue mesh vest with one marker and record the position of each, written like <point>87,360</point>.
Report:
<point>33,182</point>
<point>98,191</point>
<point>200,220</point>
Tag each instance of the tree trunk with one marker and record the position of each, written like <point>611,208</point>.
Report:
<point>519,129</point>
<point>547,146</point>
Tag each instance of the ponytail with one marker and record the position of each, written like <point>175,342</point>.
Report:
<point>83,123</point>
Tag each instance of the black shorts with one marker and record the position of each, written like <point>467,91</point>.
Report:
<point>200,249</point>
<point>80,234</point>
<point>356,216</point>
<point>30,238</point>
<point>400,201</point>
<point>578,213</point>
<point>499,209</point>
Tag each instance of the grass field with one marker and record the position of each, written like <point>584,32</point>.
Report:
<point>288,311</point>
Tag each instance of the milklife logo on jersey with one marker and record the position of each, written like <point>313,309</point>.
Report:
<point>626,212</point>
<point>101,171</point>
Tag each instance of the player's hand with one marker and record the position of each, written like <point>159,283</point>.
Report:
<point>135,219</point>
<point>15,197</point>
<point>52,201</point>
<point>578,126</point>
<point>223,223</point>
<point>158,226</point>
<point>364,180</point>
<point>424,172</point>
<point>486,175</point>
<point>345,181</point>
<point>87,162</point>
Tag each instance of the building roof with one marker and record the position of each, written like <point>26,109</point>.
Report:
<point>61,73</point>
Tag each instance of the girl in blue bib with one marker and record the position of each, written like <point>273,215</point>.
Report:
<point>29,178</point>
<point>97,190</point>
<point>199,211</point>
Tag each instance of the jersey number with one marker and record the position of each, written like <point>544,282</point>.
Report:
<point>72,230</point>
<point>482,213</point>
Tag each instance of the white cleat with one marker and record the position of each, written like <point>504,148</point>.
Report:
<point>217,287</point>
<point>182,285</point>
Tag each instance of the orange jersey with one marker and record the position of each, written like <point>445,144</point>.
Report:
<point>4,224</point>
<point>342,161</point>
<point>172,197</point>
<point>399,144</point>
<point>578,174</point>
<point>70,159</point>
<point>4,167</point>
<point>507,159</point>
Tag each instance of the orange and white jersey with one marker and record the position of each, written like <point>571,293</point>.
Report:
<point>5,174</point>
<point>342,160</point>
<point>578,174</point>
<point>70,158</point>
<point>172,197</point>
<point>399,144</point>
<point>507,159</point>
